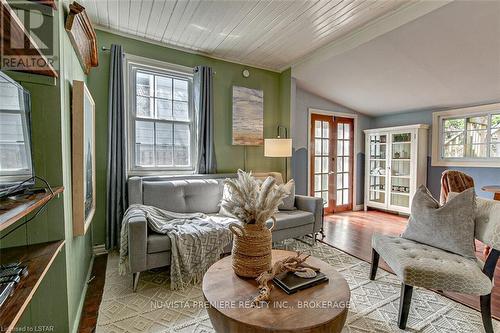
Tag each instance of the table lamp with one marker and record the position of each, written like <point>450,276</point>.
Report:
<point>279,147</point>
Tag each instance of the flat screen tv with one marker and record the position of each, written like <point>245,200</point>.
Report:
<point>16,164</point>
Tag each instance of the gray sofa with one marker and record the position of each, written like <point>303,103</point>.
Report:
<point>200,193</point>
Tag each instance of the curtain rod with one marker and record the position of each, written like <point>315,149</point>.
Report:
<point>105,49</point>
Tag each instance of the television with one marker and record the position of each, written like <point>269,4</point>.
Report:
<point>16,163</point>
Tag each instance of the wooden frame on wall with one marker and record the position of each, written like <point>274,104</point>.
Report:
<point>83,158</point>
<point>82,36</point>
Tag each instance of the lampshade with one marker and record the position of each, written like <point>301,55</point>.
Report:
<point>278,147</point>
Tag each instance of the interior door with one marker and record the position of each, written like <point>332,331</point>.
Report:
<point>322,160</point>
<point>344,151</point>
<point>331,161</point>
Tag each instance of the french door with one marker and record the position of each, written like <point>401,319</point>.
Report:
<point>331,161</point>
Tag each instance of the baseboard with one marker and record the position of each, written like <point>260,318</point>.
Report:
<point>79,310</point>
<point>358,207</point>
<point>99,249</point>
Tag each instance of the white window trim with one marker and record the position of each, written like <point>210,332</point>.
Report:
<point>133,61</point>
<point>437,135</point>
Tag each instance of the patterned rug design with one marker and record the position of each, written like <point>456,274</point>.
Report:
<point>374,304</point>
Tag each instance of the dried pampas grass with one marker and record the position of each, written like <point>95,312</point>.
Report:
<point>251,201</point>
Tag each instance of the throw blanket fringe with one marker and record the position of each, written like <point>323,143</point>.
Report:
<point>197,241</point>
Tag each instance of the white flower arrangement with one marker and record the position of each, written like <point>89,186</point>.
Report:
<point>252,201</point>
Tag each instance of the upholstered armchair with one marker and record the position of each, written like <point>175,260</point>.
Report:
<point>419,265</point>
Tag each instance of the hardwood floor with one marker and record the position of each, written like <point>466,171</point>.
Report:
<point>349,231</point>
<point>88,319</point>
<point>352,232</point>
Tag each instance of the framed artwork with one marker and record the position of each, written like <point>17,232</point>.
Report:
<point>83,158</point>
<point>248,116</point>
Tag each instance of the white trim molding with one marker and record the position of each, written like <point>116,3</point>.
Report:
<point>437,159</point>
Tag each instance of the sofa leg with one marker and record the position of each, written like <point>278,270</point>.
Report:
<point>486,313</point>
<point>135,280</point>
<point>375,259</point>
<point>322,232</point>
<point>404,305</point>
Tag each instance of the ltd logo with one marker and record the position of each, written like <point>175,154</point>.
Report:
<point>28,41</point>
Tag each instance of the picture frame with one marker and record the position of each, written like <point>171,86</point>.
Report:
<point>248,116</point>
<point>83,158</point>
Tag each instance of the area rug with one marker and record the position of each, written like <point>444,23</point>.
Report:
<point>373,308</point>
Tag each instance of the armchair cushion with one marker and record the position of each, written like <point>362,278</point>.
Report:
<point>425,266</point>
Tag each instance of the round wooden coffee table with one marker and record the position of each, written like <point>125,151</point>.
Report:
<point>322,308</point>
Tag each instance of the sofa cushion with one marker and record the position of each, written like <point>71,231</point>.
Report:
<point>425,266</point>
<point>289,200</point>
<point>158,243</point>
<point>291,219</point>
<point>184,196</point>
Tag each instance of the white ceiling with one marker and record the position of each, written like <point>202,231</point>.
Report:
<point>449,57</point>
<point>270,34</point>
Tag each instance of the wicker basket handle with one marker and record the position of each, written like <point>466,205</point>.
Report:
<point>234,226</point>
<point>274,223</point>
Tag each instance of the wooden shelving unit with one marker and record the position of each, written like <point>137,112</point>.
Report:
<point>38,258</point>
<point>13,210</point>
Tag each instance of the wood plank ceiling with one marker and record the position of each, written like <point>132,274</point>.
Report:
<point>270,34</point>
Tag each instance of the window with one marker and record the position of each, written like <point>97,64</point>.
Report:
<point>467,137</point>
<point>161,129</point>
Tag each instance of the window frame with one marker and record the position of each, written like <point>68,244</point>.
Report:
<point>133,64</point>
<point>438,136</point>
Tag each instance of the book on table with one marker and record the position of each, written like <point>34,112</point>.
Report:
<point>291,283</point>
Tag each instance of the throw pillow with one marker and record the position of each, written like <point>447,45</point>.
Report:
<point>225,195</point>
<point>289,200</point>
<point>449,227</point>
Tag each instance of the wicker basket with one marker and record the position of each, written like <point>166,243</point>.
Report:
<point>252,246</point>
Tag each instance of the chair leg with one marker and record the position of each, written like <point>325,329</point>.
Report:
<point>486,313</point>
<point>135,280</point>
<point>375,258</point>
<point>404,305</point>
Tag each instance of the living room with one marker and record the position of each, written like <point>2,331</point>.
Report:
<point>249,166</point>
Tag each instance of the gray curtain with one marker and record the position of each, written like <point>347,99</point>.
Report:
<point>204,107</point>
<point>116,191</point>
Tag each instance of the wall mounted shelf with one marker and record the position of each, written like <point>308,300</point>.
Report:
<point>12,210</point>
<point>38,258</point>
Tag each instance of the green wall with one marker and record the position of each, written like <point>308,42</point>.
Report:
<point>58,300</point>
<point>276,89</point>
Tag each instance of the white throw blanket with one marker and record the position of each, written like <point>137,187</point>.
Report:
<point>197,241</point>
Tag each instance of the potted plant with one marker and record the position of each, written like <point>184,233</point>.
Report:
<point>253,203</point>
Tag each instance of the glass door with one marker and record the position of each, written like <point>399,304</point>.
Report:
<point>400,169</point>
<point>377,169</point>
<point>344,151</point>
<point>322,175</point>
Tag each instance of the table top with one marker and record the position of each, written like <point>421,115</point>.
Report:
<point>491,188</point>
<point>232,296</point>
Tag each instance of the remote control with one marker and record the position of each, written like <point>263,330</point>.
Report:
<point>13,271</point>
<point>6,289</point>
<point>10,265</point>
<point>12,278</point>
